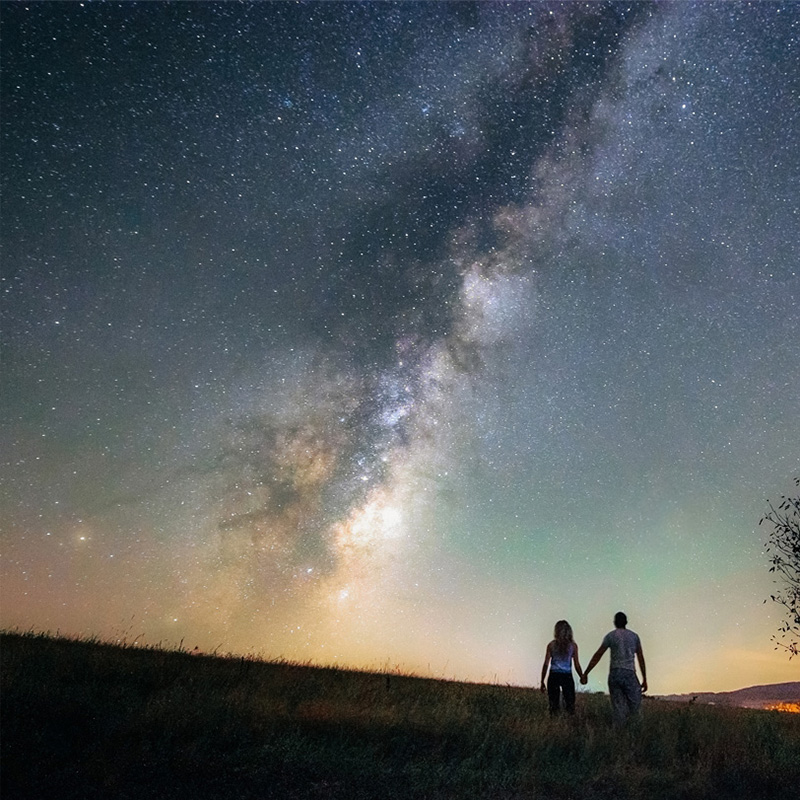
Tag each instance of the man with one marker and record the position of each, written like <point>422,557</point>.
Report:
<point>623,686</point>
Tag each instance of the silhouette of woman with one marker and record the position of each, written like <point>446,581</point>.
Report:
<point>561,653</point>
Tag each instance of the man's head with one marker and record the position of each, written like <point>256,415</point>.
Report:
<point>620,620</point>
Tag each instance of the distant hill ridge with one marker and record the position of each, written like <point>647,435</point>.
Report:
<point>751,697</point>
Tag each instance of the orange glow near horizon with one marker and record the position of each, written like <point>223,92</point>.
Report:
<point>790,708</point>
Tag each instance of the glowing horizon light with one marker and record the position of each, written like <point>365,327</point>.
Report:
<point>787,708</point>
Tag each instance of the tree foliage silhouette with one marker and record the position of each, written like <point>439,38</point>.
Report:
<point>783,548</point>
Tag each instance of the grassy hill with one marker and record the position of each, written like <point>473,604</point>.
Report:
<point>89,720</point>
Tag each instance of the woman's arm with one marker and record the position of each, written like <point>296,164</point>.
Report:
<point>545,666</point>
<point>576,660</point>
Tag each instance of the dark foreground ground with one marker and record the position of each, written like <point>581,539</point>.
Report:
<point>89,720</point>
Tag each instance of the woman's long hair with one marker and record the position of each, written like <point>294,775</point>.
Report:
<point>563,637</point>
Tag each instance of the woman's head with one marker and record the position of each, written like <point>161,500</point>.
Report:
<point>563,633</point>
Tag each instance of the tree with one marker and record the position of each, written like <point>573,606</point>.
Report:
<point>783,547</point>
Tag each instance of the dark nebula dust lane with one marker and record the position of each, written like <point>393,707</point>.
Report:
<point>390,333</point>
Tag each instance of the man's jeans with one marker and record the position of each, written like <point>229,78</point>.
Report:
<point>626,694</point>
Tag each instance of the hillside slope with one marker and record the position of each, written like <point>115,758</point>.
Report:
<point>88,720</point>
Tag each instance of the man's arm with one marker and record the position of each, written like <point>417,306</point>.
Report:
<point>642,667</point>
<point>593,663</point>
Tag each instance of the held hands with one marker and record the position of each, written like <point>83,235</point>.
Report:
<point>584,679</point>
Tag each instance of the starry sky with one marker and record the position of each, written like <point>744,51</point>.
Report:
<point>388,334</point>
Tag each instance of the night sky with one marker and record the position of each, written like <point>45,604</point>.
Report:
<point>388,334</point>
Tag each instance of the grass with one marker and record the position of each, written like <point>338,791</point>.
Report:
<point>83,719</point>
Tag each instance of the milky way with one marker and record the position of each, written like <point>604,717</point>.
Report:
<point>387,334</point>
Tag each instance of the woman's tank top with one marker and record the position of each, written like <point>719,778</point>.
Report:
<point>561,662</point>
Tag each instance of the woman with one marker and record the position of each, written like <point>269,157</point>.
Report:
<point>561,653</point>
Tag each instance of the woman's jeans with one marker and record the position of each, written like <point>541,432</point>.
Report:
<point>558,682</point>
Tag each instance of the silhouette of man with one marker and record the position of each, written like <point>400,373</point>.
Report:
<point>623,685</point>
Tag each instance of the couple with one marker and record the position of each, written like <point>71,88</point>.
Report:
<point>623,686</point>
